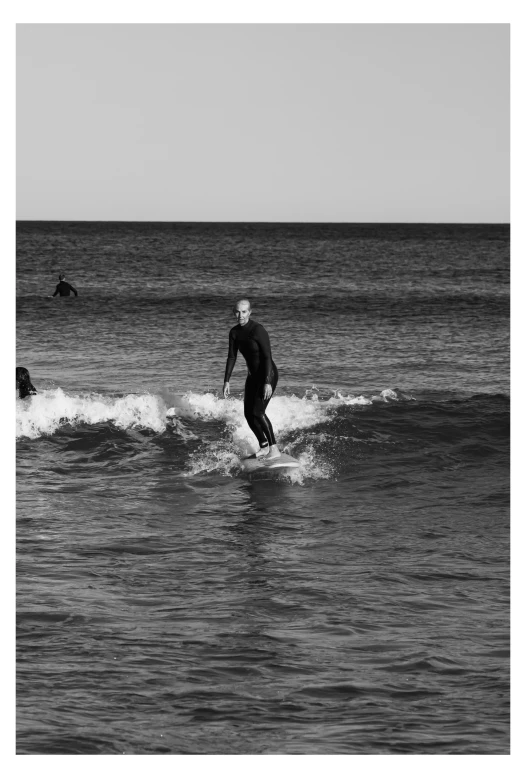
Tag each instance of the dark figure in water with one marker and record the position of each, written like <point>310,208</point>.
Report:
<point>24,387</point>
<point>63,288</point>
<point>253,341</point>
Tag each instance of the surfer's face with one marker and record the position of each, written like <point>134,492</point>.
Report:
<point>242,313</point>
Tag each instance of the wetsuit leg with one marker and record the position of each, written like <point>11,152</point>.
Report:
<point>255,407</point>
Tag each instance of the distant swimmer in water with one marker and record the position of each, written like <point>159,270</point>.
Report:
<point>63,288</point>
<point>24,387</point>
<point>253,341</point>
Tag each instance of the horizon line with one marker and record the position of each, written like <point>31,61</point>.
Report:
<point>194,221</point>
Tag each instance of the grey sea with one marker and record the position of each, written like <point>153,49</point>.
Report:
<point>167,602</point>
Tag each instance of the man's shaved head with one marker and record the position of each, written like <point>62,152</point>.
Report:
<point>244,302</point>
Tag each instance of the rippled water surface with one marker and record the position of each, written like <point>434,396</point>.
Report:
<point>168,603</point>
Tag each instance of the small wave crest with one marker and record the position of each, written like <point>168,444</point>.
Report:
<point>44,413</point>
<point>288,413</point>
<point>297,420</point>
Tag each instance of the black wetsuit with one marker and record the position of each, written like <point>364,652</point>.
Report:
<point>63,289</point>
<point>25,390</point>
<point>253,342</point>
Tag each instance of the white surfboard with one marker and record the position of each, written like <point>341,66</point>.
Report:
<point>253,463</point>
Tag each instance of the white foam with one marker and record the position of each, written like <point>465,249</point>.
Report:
<point>45,412</point>
<point>311,466</point>
<point>386,395</point>
<point>287,413</point>
<point>218,459</point>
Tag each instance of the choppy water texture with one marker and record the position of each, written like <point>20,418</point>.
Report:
<point>168,603</point>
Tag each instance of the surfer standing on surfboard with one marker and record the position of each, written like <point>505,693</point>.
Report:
<point>253,341</point>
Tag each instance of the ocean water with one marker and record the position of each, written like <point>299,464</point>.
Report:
<point>167,603</point>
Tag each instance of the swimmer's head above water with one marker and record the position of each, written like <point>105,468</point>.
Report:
<point>61,277</point>
<point>242,311</point>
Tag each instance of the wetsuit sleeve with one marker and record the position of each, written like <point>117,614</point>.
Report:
<point>55,292</point>
<point>232,356</point>
<point>73,290</point>
<point>263,341</point>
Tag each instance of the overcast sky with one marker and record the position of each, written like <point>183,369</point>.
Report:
<point>261,122</point>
